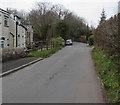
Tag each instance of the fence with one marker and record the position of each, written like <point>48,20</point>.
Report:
<point>107,37</point>
<point>14,53</point>
<point>44,45</point>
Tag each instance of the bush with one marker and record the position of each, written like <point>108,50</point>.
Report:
<point>91,40</point>
<point>59,40</point>
<point>108,73</point>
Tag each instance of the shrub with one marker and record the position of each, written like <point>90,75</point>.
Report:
<point>91,40</point>
<point>59,40</point>
<point>108,73</point>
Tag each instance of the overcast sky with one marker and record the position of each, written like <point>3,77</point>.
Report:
<point>90,10</point>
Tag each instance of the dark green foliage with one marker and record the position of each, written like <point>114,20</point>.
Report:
<point>50,21</point>
<point>61,29</point>
<point>103,17</point>
<point>91,40</point>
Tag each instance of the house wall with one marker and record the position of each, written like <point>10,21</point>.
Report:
<point>0,24</point>
<point>21,36</point>
<point>12,34</point>
<point>4,28</point>
<point>24,34</point>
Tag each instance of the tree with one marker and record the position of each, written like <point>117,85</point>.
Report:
<point>12,11</point>
<point>54,20</point>
<point>43,20</point>
<point>103,17</point>
<point>62,29</point>
<point>76,26</point>
<point>22,14</point>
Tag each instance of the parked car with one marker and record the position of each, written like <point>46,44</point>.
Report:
<point>69,42</point>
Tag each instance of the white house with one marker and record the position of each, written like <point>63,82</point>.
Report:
<point>4,29</point>
<point>13,34</point>
<point>21,33</point>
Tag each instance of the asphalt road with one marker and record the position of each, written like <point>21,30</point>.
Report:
<point>66,77</point>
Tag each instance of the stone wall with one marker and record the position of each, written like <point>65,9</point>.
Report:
<point>15,53</point>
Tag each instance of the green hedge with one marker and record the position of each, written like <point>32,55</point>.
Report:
<point>59,40</point>
<point>91,40</point>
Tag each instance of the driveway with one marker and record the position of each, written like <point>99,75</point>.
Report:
<point>66,77</point>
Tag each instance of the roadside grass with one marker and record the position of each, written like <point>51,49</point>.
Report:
<point>108,73</point>
<point>44,54</point>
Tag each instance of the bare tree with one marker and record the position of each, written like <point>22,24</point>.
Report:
<point>43,19</point>
<point>22,14</point>
<point>12,11</point>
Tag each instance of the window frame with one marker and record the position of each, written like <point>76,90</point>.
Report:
<point>6,21</point>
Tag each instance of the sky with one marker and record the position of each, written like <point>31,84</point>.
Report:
<point>90,10</point>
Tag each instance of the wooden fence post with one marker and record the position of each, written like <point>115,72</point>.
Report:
<point>46,45</point>
<point>41,46</point>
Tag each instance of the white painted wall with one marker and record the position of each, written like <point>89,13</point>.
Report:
<point>12,28</point>
<point>4,29</point>
<point>21,36</point>
<point>0,27</point>
<point>6,33</point>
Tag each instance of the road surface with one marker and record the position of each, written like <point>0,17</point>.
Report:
<point>66,77</point>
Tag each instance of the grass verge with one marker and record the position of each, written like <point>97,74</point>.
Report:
<point>44,54</point>
<point>108,73</point>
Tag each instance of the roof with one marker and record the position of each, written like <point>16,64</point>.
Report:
<point>17,16</point>
<point>4,11</point>
<point>23,26</point>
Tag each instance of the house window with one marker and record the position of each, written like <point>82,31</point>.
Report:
<point>8,44</point>
<point>1,43</point>
<point>3,38</point>
<point>5,21</point>
<point>22,30</point>
<point>18,35</point>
